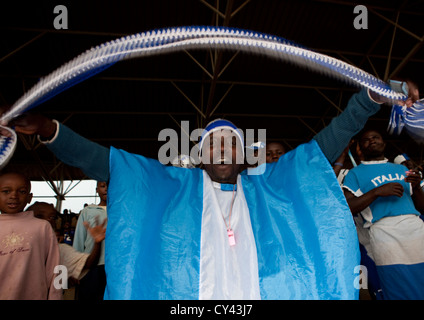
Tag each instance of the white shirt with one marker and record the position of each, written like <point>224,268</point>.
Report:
<point>227,272</point>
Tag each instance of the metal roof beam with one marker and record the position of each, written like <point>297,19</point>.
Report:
<point>218,60</point>
<point>397,25</point>
<point>22,46</point>
<point>188,99</point>
<point>407,58</point>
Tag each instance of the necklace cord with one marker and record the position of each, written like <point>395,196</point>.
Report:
<point>231,211</point>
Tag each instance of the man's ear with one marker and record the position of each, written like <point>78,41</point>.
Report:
<point>358,148</point>
<point>29,198</point>
<point>201,165</point>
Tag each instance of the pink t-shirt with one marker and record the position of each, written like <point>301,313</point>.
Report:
<point>29,253</point>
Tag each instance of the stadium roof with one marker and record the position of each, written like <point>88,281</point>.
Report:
<point>127,105</point>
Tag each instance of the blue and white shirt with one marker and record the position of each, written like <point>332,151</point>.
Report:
<point>372,174</point>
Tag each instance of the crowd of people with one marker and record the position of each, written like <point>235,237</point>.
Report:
<point>214,232</point>
<point>72,240</point>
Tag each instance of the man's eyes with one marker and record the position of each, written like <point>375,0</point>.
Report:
<point>20,191</point>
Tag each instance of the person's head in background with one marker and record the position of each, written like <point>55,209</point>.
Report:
<point>15,192</point>
<point>46,211</point>
<point>101,190</point>
<point>371,145</point>
<point>404,159</point>
<point>274,150</point>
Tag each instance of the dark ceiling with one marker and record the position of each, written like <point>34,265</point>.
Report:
<point>130,103</point>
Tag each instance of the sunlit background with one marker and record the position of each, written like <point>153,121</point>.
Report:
<point>77,193</point>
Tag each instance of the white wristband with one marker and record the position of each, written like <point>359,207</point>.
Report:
<point>368,91</point>
<point>54,137</point>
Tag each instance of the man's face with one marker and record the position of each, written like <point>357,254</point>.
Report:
<point>14,193</point>
<point>372,145</point>
<point>274,151</point>
<point>222,156</point>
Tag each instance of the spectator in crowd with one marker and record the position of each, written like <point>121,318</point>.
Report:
<point>29,251</point>
<point>389,199</point>
<point>92,286</point>
<point>77,263</point>
<point>274,150</point>
<point>371,284</point>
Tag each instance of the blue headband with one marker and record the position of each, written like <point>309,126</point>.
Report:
<point>220,124</point>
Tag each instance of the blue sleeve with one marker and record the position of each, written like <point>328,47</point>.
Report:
<point>77,151</point>
<point>334,138</point>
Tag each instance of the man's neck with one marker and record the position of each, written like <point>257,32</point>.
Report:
<point>375,158</point>
<point>229,181</point>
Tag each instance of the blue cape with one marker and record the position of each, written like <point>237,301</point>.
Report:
<point>306,241</point>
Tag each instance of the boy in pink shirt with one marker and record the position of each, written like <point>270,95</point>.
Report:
<point>28,247</point>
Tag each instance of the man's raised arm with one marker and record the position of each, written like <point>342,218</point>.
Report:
<point>68,146</point>
<point>334,138</point>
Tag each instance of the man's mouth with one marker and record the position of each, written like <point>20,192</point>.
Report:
<point>222,160</point>
<point>373,145</point>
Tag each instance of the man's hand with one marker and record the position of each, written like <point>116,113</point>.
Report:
<point>358,204</point>
<point>32,124</point>
<point>414,177</point>
<point>380,99</point>
<point>389,189</point>
<point>413,95</point>
<point>98,232</point>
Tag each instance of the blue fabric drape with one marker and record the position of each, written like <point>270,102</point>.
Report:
<point>305,236</point>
